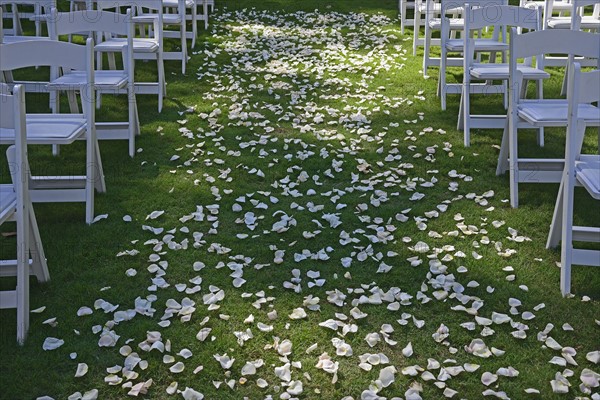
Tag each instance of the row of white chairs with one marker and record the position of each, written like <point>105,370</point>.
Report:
<point>551,41</point>
<point>576,113</point>
<point>427,15</point>
<point>76,70</point>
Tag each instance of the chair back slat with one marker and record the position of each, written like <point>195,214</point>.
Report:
<point>66,23</point>
<point>42,53</point>
<point>554,41</point>
<point>495,15</point>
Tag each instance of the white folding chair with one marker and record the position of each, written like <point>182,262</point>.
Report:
<point>41,8</point>
<point>538,113</point>
<point>190,12</point>
<point>449,45</point>
<point>580,170</point>
<point>173,14</point>
<point>587,22</point>
<point>15,205</point>
<point>403,7</point>
<point>478,19</point>
<point>60,129</point>
<point>576,20</point>
<point>107,81</point>
<point>144,48</point>
<point>419,20</point>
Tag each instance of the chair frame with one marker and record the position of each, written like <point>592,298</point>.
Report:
<point>160,86</point>
<point>113,23</point>
<point>480,45</point>
<point>536,44</point>
<point>71,127</point>
<point>581,90</point>
<point>520,17</point>
<point>16,206</point>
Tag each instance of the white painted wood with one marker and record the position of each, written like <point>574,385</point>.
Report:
<point>149,47</point>
<point>106,82</point>
<point>30,253</point>
<point>477,20</point>
<point>581,170</point>
<point>540,113</point>
<point>59,129</point>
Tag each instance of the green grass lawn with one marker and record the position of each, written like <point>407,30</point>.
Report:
<point>288,112</point>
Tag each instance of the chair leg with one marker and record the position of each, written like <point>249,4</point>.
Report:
<point>460,123</point>
<point>513,162</point>
<point>205,13</point>
<point>503,156</point>
<point>402,7</point>
<point>73,104</point>
<point>416,29</point>
<point>162,90</point>
<point>557,219</point>
<point>38,256</point>
<point>426,49</point>
<point>567,237</point>
<point>442,79</point>
<point>98,173</point>
<point>183,48</point>
<point>134,127</point>
<point>466,105</point>
<point>22,292</point>
<point>194,26</point>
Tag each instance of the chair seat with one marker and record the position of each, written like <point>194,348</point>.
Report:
<point>49,129</point>
<point>500,72</point>
<point>480,45</point>
<point>587,171</point>
<point>587,22</point>
<point>455,23</point>
<point>554,112</point>
<point>103,80</point>
<point>8,201</point>
<point>140,45</point>
<point>168,19</point>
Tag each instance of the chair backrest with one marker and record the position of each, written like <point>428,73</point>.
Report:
<point>12,116</point>
<point>139,8</point>
<point>56,55</point>
<point>499,18</point>
<point>155,5</point>
<point>66,23</point>
<point>49,53</point>
<point>454,7</point>
<point>577,8</point>
<point>97,21</point>
<point>553,41</point>
<point>503,15</point>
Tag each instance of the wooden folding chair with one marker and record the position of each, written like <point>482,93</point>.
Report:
<point>449,45</point>
<point>580,170</point>
<point>107,81</point>
<point>539,113</point>
<point>15,205</point>
<point>60,129</point>
<point>149,47</point>
<point>478,19</point>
